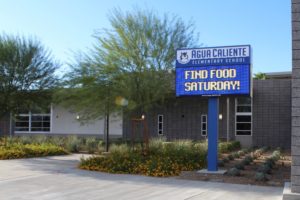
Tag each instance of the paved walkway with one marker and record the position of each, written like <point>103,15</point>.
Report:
<point>57,178</point>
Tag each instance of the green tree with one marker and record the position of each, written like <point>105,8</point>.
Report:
<point>132,62</point>
<point>259,76</point>
<point>140,50</point>
<point>87,91</point>
<point>26,74</point>
<point>134,59</point>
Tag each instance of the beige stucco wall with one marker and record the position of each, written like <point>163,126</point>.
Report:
<point>65,122</point>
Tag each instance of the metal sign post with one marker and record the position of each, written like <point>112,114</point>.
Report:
<point>213,113</point>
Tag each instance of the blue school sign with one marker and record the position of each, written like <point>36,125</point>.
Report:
<point>213,72</point>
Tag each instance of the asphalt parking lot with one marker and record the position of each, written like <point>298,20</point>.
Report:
<point>58,178</point>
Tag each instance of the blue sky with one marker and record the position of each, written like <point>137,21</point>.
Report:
<point>67,26</point>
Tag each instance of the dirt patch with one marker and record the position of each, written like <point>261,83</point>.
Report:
<point>279,175</point>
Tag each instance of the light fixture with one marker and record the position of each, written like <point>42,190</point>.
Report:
<point>220,116</point>
<point>77,117</point>
<point>143,117</point>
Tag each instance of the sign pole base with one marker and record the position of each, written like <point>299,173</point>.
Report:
<point>213,129</point>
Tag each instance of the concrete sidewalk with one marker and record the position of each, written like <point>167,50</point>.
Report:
<point>57,178</point>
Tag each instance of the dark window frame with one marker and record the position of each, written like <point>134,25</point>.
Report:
<point>44,119</point>
<point>204,122</point>
<point>160,124</point>
<point>241,116</point>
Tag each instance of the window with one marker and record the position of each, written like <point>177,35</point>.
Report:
<point>40,122</point>
<point>204,125</point>
<point>243,116</point>
<point>32,122</point>
<point>160,120</point>
<point>22,122</point>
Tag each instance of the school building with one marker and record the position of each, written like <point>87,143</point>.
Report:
<point>271,117</point>
<point>263,120</point>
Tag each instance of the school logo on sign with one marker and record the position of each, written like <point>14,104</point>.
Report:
<point>183,56</point>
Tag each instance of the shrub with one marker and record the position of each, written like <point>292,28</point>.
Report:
<point>260,176</point>
<point>265,149</point>
<point>39,139</point>
<point>100,147</point>
<point>221,163</point>
<point>258,152</point>
<point>201,147</point>
<point>122,149</point>
<point>270,162</point>
<point>249,159</point>
<point>235,155</point>
<point>254,156</point>
<point>164,159</point>
<point>276,155</point>
<point>225,147</point>
<point>240,166</point>
<point>19,150</point>
<point>25,139</point>
<point>58,140</point>
<point>236,145</point>
<point>264,169</point>
<point>241,153</point>
<point>91,144</point>
<point>179,148</point>
<point>274,158</point>
<point>156,144</point>
<point>230,157</point>
<point>8,141</point>
<point>73,144</point>
<point>225,160</point>
<point>234,172</point>
<point>245,162</point>
<point>245,151</point>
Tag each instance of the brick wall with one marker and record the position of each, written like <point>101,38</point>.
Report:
<point>182,119</point>
<point>272,113</point>
<point>295,174</point>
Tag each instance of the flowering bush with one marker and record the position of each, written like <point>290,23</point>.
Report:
<point>19,150</point>
<point>162,159</point>
<point>71,143</point>
<point>225,147</point>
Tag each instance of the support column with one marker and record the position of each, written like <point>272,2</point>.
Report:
<point>292,190</point>
<point>106,133</point>
<point>227,118</point>
<point>296,97</point>
<point>213,129</point>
